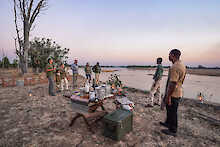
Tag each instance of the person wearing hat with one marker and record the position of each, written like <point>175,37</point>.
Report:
<point>155,89</point>
<point>88,72</point>
<point>63,77</point>
<point>75,68</point>
<point>97,70</point>
<point>50,75</point>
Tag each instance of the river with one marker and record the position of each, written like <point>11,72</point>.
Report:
<point>209,86</point>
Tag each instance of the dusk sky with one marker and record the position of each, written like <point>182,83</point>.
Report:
<point>125,32</point>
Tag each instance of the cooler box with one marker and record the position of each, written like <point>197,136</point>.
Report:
<point>118,123</point>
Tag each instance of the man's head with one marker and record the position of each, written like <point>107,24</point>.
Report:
<point>87,64</point>
<point>97,63</point>
<point>174,55</point>
<point>50,60</point>
<point>159,60</point>
<point>62,65</point>
<point>75,61</point>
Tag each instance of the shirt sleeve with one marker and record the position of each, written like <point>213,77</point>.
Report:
<point>174,75</point>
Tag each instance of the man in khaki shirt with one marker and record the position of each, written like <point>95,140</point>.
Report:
<point>173,91</point>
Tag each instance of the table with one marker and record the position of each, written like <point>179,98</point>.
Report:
<point>89,114</point>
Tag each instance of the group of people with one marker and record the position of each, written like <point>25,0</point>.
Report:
<point>61,77</point>
<point>61,74</point>
<point>173,91</point>
<point>88,72</point>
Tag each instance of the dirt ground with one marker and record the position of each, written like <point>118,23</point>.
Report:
<point>41,120</point>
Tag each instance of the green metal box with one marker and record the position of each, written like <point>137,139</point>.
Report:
<point>118,123</point>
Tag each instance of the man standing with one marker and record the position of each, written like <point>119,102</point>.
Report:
<point>155,89</point>
<point>173,91</point>
<point>63,76</point>
<point>88,72</point>
<point>58,79</point>
<point>97,70</point>
<point>75,68</point>
<point>50,75</point>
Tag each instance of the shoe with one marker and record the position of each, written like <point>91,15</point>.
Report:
<point>168,132</point>
<point>164,124</point>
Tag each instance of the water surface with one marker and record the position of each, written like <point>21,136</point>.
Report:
<point>209,86</point>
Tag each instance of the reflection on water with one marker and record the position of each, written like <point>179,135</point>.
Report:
<point>193,84</point>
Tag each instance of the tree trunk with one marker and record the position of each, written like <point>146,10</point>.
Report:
<point>21,64</point>
<point>26,45</point>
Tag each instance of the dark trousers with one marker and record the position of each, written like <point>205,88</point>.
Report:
<point>88,77</point>
<point>172,114</point>
<point>51,85</point>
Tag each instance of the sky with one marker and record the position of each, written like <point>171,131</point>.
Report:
<point>125,32</point>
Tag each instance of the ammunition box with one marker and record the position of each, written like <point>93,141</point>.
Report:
<point>117,124</point>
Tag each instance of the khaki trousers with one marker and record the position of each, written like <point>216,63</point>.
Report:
<point>155,92</point>
<point>97,78</point>
<point>64,83</point>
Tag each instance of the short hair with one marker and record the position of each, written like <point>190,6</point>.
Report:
<point>159,60</point>
<point>49,60</point>
<point>176,53</point>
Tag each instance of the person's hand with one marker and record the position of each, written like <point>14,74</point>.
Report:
<point>162,105</point>
<point>168,100</point>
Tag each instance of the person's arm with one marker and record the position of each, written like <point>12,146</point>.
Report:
<point>50,68</point>
<point>85,69</point>
<point>171,88</point>
<point>156,74</point>
<point>174,76</point>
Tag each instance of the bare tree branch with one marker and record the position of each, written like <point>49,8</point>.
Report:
<point>16,26</point>
<point>40,5</point>
<point>29,9</point>
<point>28,13</point>
<point>22,11</point>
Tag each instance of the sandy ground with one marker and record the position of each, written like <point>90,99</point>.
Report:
<point>42,120</point>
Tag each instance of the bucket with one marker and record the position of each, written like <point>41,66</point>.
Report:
<point>20,83</point>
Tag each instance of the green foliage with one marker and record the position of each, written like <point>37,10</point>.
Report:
<point>5,63</point>
<point>41,49</point>
<point>114,80</point>
<point>15,63</point>
<point>201,67</point>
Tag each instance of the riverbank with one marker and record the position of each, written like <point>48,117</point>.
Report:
<point>42,120</point>
<point>203,72</point>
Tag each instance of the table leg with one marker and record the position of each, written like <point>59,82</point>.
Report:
<point>74,119</point>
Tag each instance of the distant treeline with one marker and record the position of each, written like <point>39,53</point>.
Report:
<point>147,66</point>
<point>188,67</point>
<point>202,67</point>
<point>154,66</point>
<point>5,63</point>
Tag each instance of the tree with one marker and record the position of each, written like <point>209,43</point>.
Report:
<point>15,63</point>
<point>28,10</point>
<point>41,49</point>
<point>201,67</point>
<point>5,62</point>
